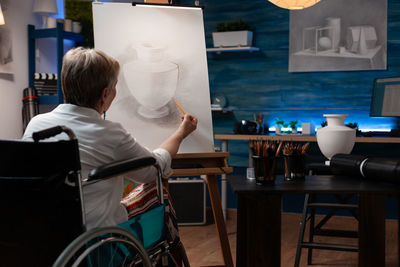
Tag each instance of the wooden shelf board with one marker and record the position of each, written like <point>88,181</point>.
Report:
<point>301,138</point>
<point>233,49</point>
<point>52,33</point>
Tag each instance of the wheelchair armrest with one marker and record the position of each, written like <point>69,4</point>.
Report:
<point>119,167</point>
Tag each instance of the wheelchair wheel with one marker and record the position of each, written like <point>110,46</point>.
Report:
<point>108,246</point>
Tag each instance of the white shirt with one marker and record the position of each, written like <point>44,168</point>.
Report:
<point>100,142</point>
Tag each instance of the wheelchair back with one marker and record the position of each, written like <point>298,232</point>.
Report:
<point>39,200</point>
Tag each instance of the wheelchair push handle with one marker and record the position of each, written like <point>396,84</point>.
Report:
<point>53,131</point>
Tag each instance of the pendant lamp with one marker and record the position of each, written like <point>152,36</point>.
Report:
<point>294,4</point>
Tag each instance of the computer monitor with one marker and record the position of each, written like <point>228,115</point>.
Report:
<point>385,100</point>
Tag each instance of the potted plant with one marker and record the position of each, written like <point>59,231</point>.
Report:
<point>81,11</point>
<point>279,123</point>
<point>354,125</point>
<point>233,33</point>
<point>293,125</point>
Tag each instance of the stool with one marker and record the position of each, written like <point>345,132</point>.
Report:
<point>311,204</point>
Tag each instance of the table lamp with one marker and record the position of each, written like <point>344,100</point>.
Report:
<point>44,8</point>
<point>2,22</point>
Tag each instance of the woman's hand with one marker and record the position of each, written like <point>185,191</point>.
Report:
<point>188,125</point>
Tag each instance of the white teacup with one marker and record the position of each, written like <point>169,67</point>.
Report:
<point>76,27</point>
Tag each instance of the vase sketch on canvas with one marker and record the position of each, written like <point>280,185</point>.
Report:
<point>152,80</point>
<point>351,41</point>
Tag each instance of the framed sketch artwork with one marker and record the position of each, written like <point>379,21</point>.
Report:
<point>339,35</point>
<point>162,54</point>
<point>6,58</point>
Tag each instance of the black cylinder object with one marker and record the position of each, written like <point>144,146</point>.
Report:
<point>387,170</point>
<point>378,169</point>
<point>345,164</point>
<point>30,106</point>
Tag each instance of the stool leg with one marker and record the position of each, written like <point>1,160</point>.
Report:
<point>311,233</point>
<point>398,231</point>
<point>302,228</point>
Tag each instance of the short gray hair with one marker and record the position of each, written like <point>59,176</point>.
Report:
<point>84,75</point>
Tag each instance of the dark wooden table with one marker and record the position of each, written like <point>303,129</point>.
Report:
<point>259,216</point>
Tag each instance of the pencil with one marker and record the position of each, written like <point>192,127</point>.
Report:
<point>176,102</point>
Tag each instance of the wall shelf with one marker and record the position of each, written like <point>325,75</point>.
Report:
<point>219,50</point>
<point>56,33</point>
<point>221,109</point>
<point>60,36</point>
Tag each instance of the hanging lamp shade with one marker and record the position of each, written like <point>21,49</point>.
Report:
<point>2,22</point>
<point>45,6</point>
<point>294,4</point>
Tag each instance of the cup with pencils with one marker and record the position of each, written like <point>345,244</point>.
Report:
<point>260,120</point>
<point>264,156</point>
<point>294,159</point>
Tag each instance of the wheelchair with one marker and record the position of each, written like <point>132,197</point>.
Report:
<point>43,218</point>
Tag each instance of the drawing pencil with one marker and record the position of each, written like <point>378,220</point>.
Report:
<point>176,102</point>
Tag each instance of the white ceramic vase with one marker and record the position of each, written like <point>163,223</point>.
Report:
<point>335,138</point>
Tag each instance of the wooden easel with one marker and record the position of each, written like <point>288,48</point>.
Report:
<point>209,164</point>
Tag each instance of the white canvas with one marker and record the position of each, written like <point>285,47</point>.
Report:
<point>162,55</point>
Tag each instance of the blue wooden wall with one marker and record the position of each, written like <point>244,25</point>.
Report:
<point>260,81</point>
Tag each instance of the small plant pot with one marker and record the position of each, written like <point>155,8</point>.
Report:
<point>278,129</point>
<point>232,39</point>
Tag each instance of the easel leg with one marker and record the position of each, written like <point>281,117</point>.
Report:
<point>219,220</point>
<point>224,182</point>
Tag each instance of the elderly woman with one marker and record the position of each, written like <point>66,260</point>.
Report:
<point>89,79</point>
